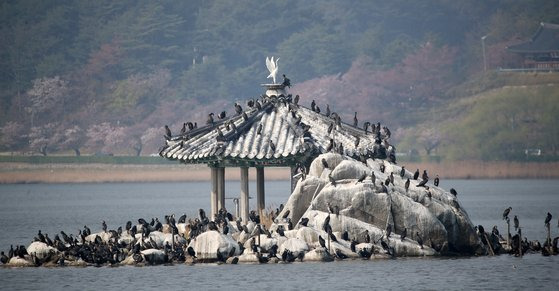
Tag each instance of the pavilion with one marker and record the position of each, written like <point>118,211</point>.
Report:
<point>272,131</point>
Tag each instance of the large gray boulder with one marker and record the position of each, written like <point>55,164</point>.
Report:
<point>428,214</point>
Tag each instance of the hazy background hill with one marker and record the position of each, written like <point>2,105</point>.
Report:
<point>105,76</point>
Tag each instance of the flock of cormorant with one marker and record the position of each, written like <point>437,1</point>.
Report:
<point>155,242</point>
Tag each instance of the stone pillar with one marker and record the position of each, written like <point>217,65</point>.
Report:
<point>213,193</point>
<point>244,195</point>
<point>220,188</point>
<point>260,203</point>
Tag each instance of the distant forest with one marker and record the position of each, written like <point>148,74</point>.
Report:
<point>105,76</point>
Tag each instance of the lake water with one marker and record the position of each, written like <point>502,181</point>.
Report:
<point>24,209</point>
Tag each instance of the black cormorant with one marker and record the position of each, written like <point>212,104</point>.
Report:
<point>416,174</point>
<point>506,213</point>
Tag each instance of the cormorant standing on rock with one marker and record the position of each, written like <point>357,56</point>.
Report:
<point>402,172</point>
<point>360,180</point>
<point>327,113</point>
<point>355,120</point>
<point>296,100</point>
<point>373,177</point>
<point>453,192</point>
<point>388,230</point>
<point>516,223</point>
<point>183,129</point>
<point>425,176</point>
<point>381,168</point>
<point>416,174</point>
<point>407,184</point>
<point>422,183</point>
<point>324,163</point>
<point>321,241</point>
<point>436,181</point>
<point>419,239</point>
<point>313,105</point>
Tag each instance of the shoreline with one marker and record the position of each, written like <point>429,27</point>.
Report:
<point>24,173</point>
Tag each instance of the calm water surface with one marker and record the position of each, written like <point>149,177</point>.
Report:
<point>24,209</point>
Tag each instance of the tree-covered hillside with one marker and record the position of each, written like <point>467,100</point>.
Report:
<point>105,76</point>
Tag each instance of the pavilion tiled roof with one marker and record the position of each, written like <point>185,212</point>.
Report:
<point>289,133</point>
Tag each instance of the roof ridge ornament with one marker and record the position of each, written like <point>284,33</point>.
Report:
<point>272,68</point>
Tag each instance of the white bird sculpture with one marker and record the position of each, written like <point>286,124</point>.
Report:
<point>272,67</point>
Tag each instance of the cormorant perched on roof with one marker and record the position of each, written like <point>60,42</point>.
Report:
<point>168,134</point>
<point>210,120</point>
<point>366,125</point>
<point>355,121</point>
<point>327,113</point>
<point>516,223</point>
<point>548,219</point>
<point>407,184</point>
<point>222,115</point>
<point>272,146</point>
<point>506,213</point>
<point>259,130</point>
<point>250,103</point>
<point>416,174</point>
<point>238,108</point>
<point>286,82</point>
<point>313,105</point>
<point>453,191</point>
<point>436,181</point>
